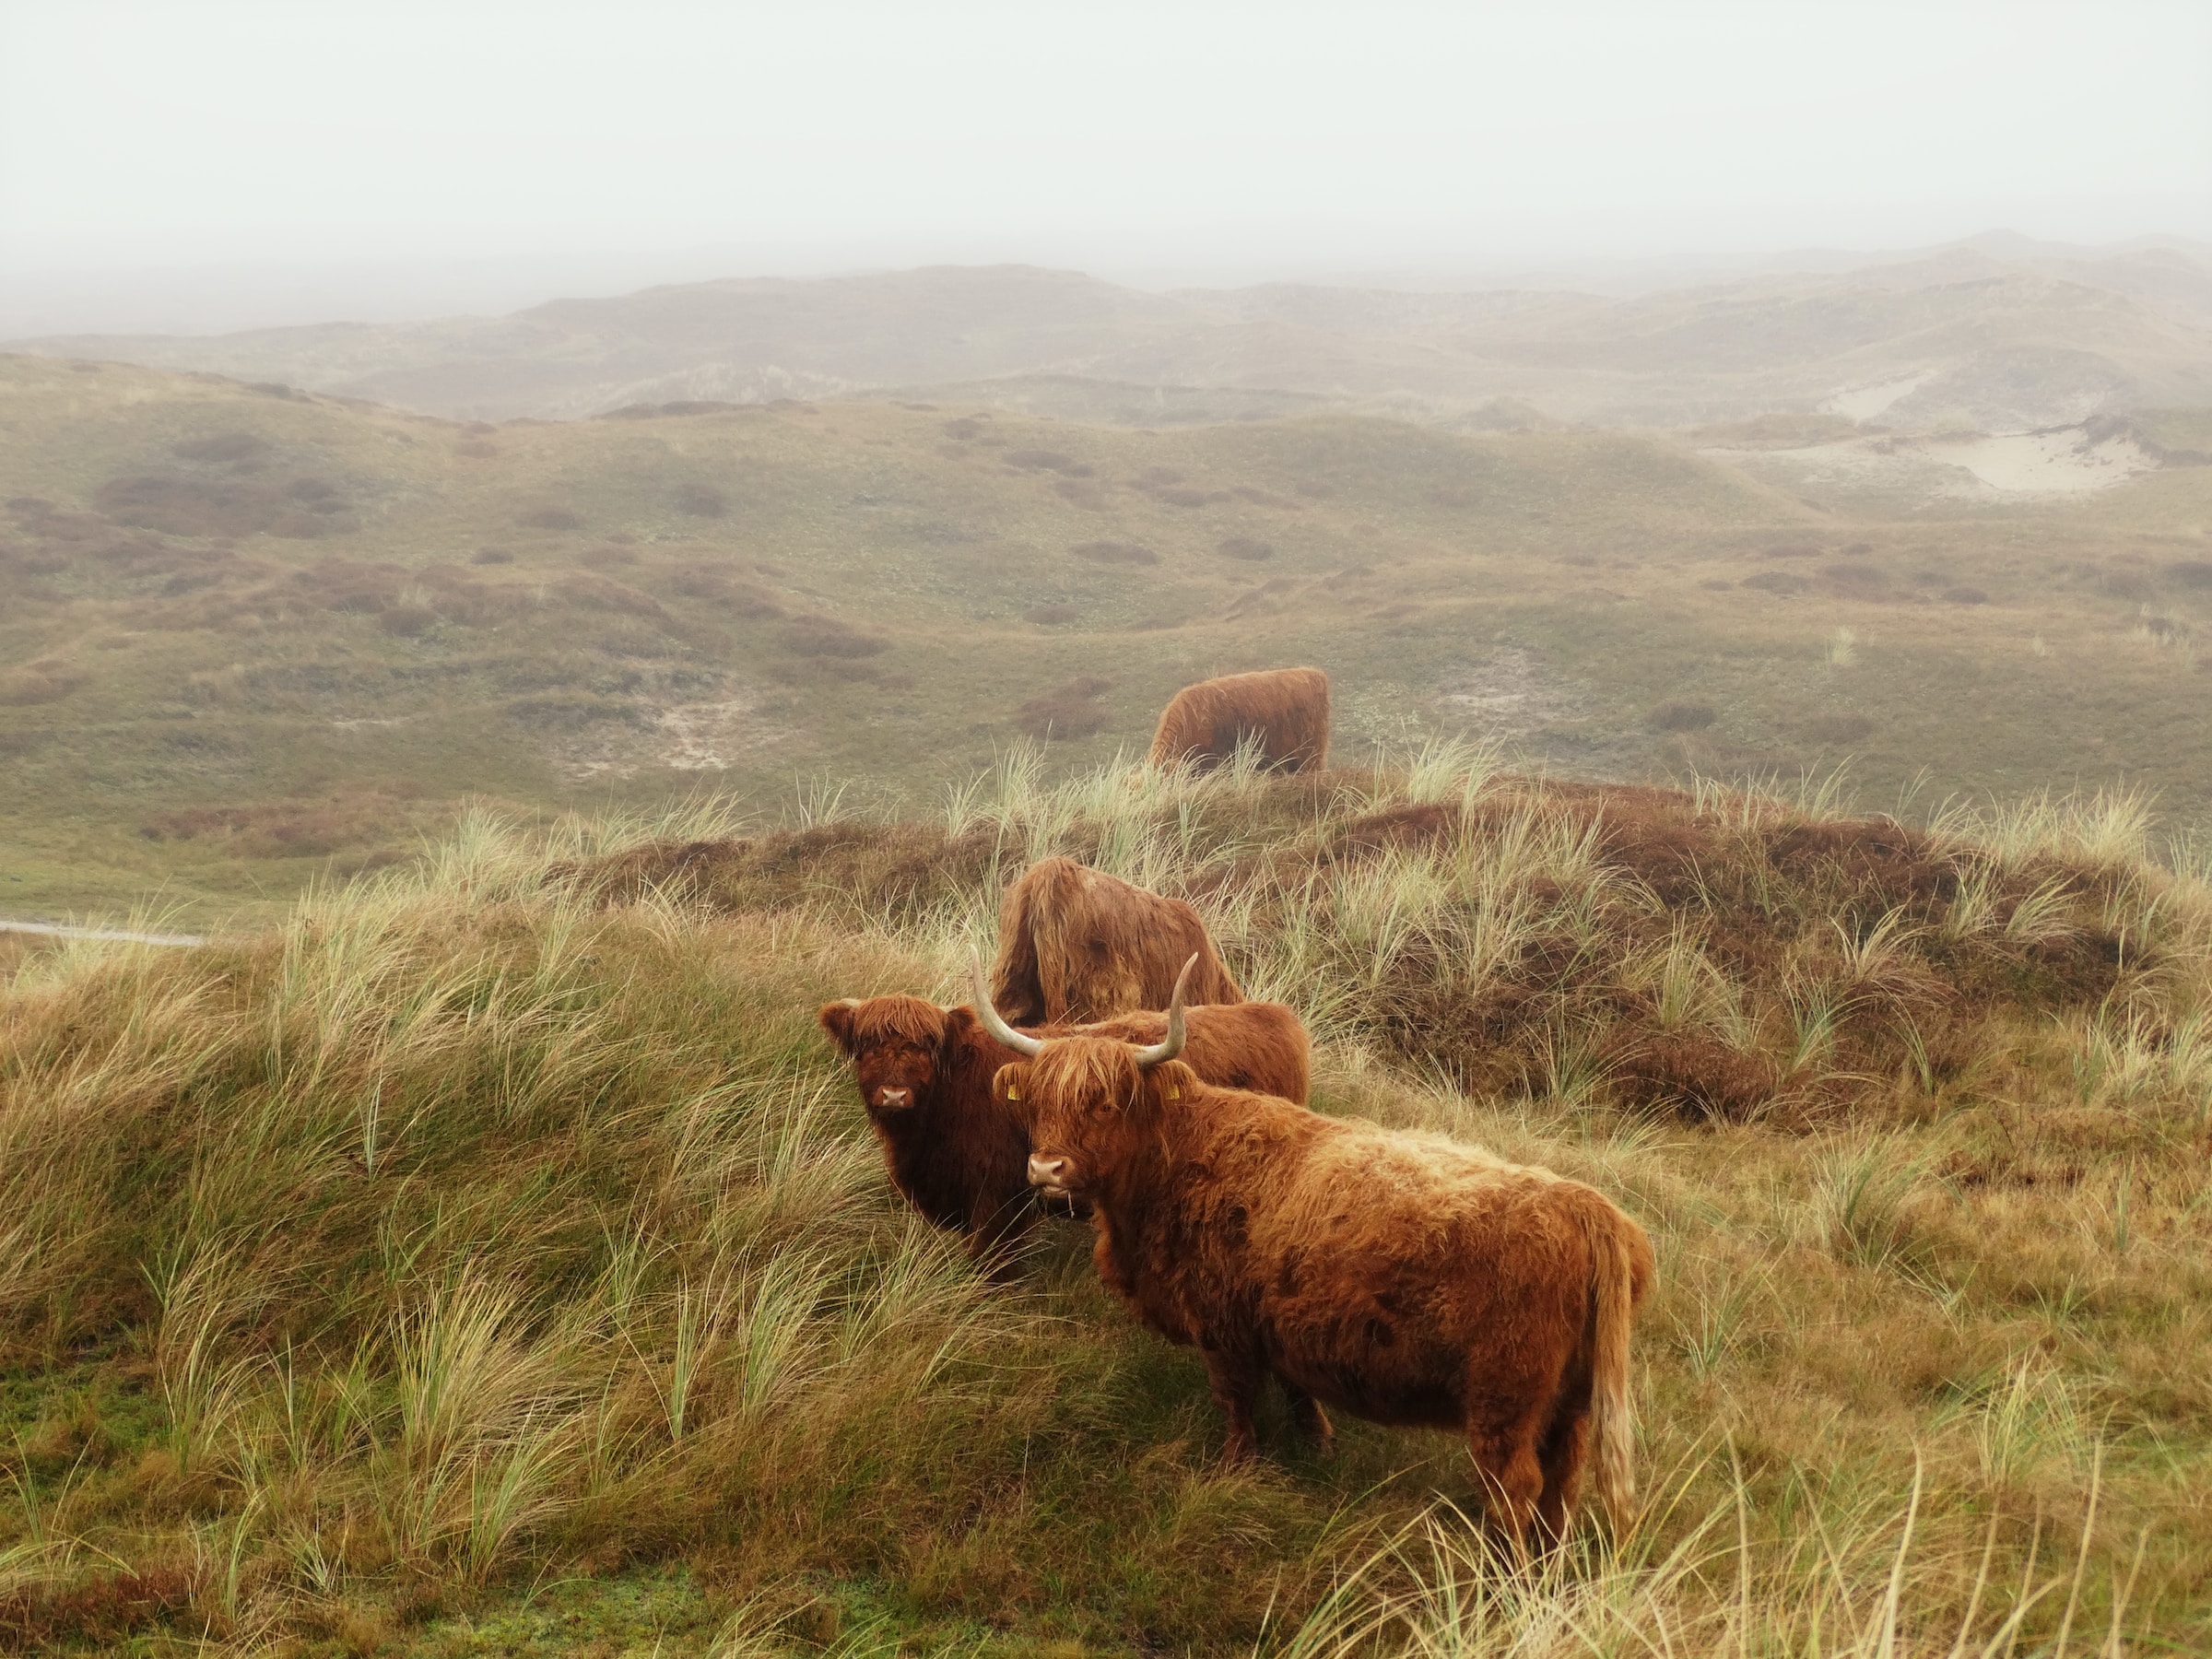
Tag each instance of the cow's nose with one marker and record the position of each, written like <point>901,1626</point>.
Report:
<point>894,1098</point>
<point>1047,1171</point>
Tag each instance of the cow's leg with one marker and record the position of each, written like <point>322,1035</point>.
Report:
<point>995,1238</point>
<point>1309,1419</point>
<point>1504,1449</point>
<point>1236,1378</point>
<point>1561,1457</point>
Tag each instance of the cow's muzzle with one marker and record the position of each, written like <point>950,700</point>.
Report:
<point>1052,1175</point>
<point>894,1100</point>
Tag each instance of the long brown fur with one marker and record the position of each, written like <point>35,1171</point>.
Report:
<point>1402,1277</point>
<point>959,1151</point>
<point>1076,944</point>
<point>1285,709</point>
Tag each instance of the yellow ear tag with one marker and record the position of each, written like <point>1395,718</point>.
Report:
<point>1013,1093</point>
<point>1174,1094</point>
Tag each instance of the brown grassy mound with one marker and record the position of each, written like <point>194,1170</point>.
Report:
<point>193,506</point>
<point>1539,937</point>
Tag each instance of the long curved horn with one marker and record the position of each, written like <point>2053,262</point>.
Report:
<point>1147,1058</point>
<point>1029,1047</point>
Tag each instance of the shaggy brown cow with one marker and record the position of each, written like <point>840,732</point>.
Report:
<point>1402,1277</point>
<point>1285,709</point>
<point>1076,945</point>
<point>959,1152</point>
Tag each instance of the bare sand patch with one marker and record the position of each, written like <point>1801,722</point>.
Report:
<point>704,737</point>
<point>2063,462</point>
<point>1863,402</point>
<point>2055,462</point>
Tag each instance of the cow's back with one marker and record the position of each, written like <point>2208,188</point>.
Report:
<point>1255,1047</point>
<point>1285,709</point>
<point>1077,945</point>
<point>1258,1047</point>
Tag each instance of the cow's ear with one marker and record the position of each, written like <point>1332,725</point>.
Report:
<point>1011,1082</point>
<point>959,1024</point>
<point>1172,1082</point>
<point>837,1019</point>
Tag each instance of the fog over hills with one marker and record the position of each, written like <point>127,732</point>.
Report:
<point>1998,334</point>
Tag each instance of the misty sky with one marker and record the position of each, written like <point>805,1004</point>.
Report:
<point>1183,139</point>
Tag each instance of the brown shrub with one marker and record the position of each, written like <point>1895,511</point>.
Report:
<point>1965,595</point>
<point>103,1609</point>
<point>1050,615</point>
<point>600,559</point>
<point>492,556</point>
<point>189,506</point>
<point>2190,573</point>
<point>291,828</point>
<point>1681,717</point>
<point>715,584</point>
<point>963,430</point>
<point>1115,552</point>
<point>318,495</point>
<point>1859,580</point>
<point>337,584</point>
<point>1068,710</point>
<point>1244,547</point>
<point>1694,1073</point>
<point>549,518</point>
<point>475,449</point>
<point>1181,496</point>
<point>1777,581</point>
<point>702,500</point>
<point>596,592</point>
<point>409,622</point>
<point>827,637</point>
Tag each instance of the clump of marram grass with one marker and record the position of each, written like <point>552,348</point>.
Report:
<point>504,1220</point>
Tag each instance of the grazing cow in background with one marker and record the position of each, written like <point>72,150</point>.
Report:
<point>1285,709</point>
<point>959,1151</point>
<point>1402,1277</point>
<point>1078,945</point>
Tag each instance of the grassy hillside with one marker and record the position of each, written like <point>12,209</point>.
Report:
<point>251,635</point>
<point>489,1257</point>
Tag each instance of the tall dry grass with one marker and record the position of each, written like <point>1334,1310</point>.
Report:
<point>500,1220</point>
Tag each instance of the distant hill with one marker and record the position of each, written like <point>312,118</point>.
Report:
<point>2000,335</point>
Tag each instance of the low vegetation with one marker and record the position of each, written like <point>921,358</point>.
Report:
<point>246,608</point>
<point>491,1255</point>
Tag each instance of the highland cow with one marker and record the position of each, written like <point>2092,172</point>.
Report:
<point>1402,1277</point>
<point>960,1153</point>
<point>1284,710</point>
<point>1078,945</point>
